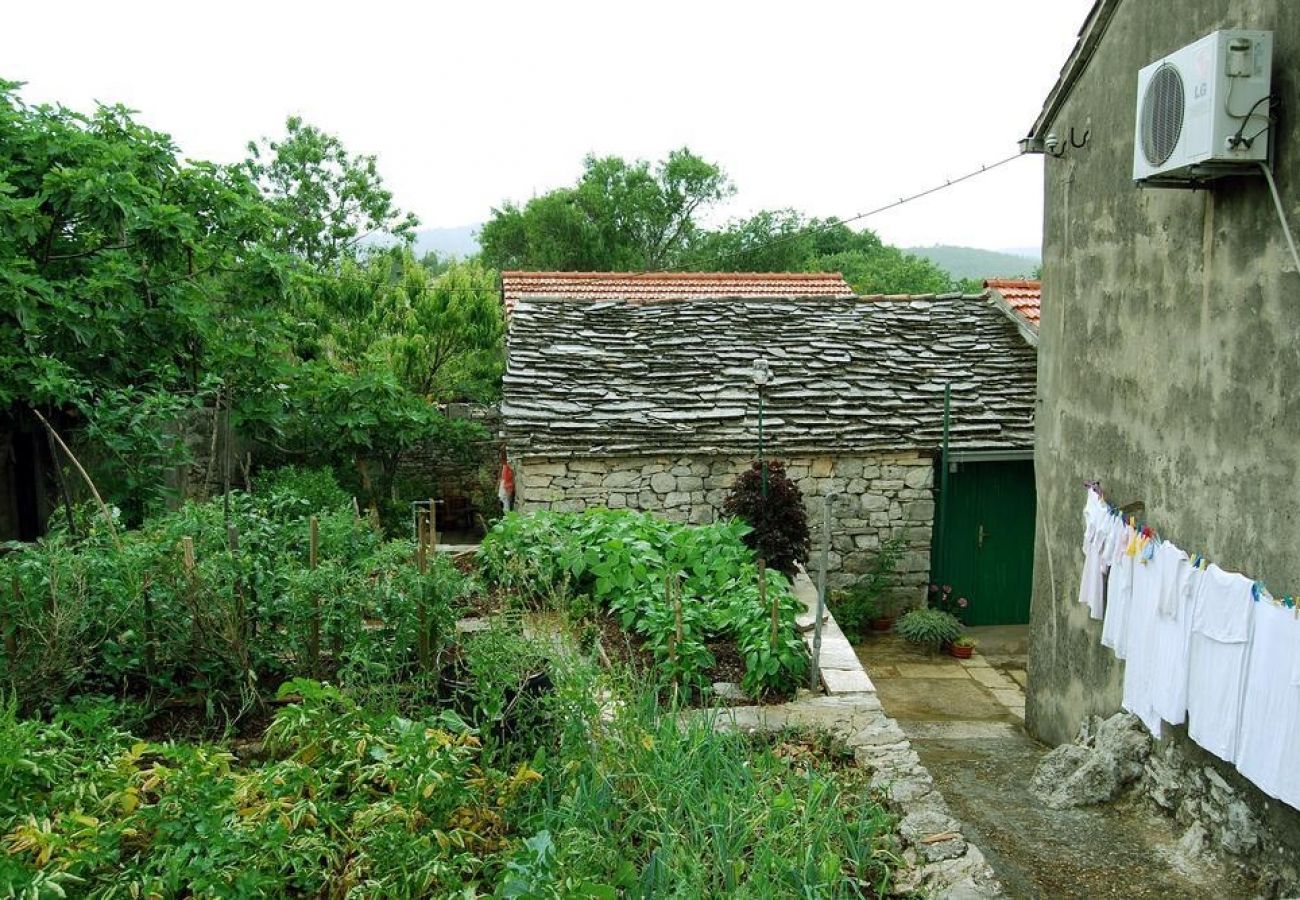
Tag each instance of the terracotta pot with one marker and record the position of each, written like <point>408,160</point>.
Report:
<point>882,623</point>
<point>960,652</point>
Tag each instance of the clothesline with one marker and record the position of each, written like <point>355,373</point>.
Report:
<point>1195,648</point>
<point>1259,591</point>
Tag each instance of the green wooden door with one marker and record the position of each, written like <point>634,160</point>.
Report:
<point>988,552</point>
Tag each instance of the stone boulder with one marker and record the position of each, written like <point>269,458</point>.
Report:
<point>1108,756</point>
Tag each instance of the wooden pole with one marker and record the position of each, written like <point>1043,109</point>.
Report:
<point>422,614</point>
<point>433,525</point>
<point>150,653</point>
<point>63,485</point>
<point>103,508</point>
<point>313,632</point>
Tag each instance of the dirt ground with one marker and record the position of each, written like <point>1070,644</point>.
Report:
<point>964,722</point>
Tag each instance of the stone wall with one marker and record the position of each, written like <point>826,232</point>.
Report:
<point>878,496</point>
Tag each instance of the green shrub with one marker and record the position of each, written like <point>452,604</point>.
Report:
<point>928,626</point>
<point>637,565</point>
<point>90,616</point>
<point>779,524</point>
<point>856,606</point>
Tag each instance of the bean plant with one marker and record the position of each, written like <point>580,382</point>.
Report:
<point>638,566</point>
<point>218,605</point>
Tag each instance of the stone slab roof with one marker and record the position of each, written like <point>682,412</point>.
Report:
<point>654,287</point>
<point>624,378</point>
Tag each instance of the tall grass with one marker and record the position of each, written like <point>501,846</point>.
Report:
<point>655,804</point>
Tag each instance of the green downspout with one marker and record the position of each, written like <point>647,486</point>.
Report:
<point>942,566</point>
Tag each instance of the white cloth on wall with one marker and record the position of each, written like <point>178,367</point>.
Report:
<point>1097,529</point>
<point>1119,588</point>
<point>1216,660</point>
<point>1289,781</point>
<point>1173,627</point>
<point>1154,566</point>
<point>1269,743</point>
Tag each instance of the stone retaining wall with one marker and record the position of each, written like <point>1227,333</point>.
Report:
<point>878,496</point>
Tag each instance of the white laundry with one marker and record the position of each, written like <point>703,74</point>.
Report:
<point>1119,588</point>
<point>1289,782</point>
<point>1096,529</point>
<point>1216,660</point>
<point>1173,626</point>
<point>1269,743</point>
<point>1143,662</point>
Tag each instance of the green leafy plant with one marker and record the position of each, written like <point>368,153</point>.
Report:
<point>677,586</point>
<point>964,641</point>
<point>865,599</point>
<point>779,522</point>
<point>928,626</point>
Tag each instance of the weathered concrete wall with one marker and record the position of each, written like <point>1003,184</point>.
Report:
<point>1168,366</point>
<point>879,496</point>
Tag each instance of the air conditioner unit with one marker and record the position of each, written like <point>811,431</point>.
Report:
<point>1202,111</point>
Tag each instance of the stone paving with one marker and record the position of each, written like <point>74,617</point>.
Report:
<point>942,862</point>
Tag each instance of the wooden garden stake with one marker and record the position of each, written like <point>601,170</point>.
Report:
<point>232,540</point>
<point>433,525</point>
<point>103,509</point>
<point>313,632</point>
<point>150,662</point>
<point>422,566</point>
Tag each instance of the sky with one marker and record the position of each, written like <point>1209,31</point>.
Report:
<point>832,108</point>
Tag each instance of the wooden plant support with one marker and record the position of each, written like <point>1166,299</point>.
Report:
<point>433,525</point>
<point>422,613</point>
<point>103,508</point>
<point>232,541</point>
<point>313,628</point>
<point>150,657</point>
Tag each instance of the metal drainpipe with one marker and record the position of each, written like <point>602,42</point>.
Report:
<point>821,592</point>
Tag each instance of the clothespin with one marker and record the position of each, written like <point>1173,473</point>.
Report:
<point>1255,590</point>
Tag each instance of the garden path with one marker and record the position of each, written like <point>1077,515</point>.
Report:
<point>964,719</point>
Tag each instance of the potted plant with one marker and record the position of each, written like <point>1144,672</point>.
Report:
<point>928,626</point>
<point>884,618</point>
<point>962,647</point>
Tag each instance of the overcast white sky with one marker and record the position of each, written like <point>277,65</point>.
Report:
<point>832,108</point>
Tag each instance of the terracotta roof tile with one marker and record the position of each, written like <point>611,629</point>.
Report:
<point>655,287</point>
<point>1024,297</point>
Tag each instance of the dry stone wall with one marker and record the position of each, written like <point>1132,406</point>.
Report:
<point>878,496</point>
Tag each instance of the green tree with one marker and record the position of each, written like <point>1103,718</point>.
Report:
<point>327,201</point>
<point>619,216</point>
<point>129,280</point>
<point>784,241</point>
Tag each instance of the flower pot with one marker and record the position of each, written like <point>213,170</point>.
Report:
<point>882,623</point>
<point>960,652</point>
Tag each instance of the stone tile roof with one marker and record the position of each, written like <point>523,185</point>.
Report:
<point>652,287</point>
<point>620,378</point>
<point>1023,297</point>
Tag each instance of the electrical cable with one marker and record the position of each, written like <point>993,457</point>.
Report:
<point>1281,214</point>
<point>835,223</point>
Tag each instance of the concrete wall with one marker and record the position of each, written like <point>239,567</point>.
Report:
<point>1168,364</point>
<point>879,496</point>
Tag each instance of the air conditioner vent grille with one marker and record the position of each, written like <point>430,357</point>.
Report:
<point>1162,114</point>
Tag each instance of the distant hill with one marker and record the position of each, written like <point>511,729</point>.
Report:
<point>972,262</point>
<point>459,241</point>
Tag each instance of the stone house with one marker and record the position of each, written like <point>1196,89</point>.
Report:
<point>647,401</point>
<point>1169,370</point>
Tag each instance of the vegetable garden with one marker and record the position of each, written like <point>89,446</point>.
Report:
<point>262,695</point>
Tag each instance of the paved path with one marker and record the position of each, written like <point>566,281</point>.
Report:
<point>964,720</point>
